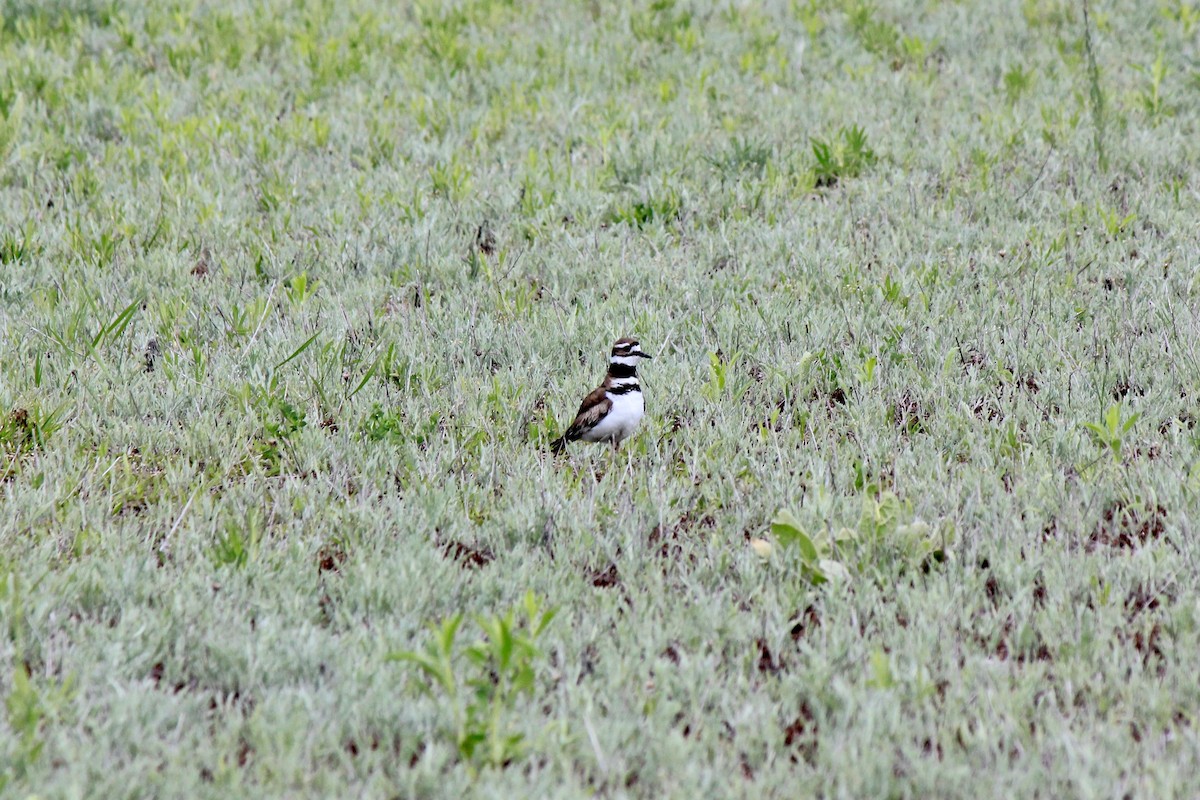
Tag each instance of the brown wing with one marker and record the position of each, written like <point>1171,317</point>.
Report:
<point>591,410</point>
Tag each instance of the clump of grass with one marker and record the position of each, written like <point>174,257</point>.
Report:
<point>12,114</point>
<point>664,23</point>
<point>1151,96</point>
<point>844,155</point>
<point>28,708</point>
<point>878,36</point>
<point>1017,81</point>
<point>661,206</point>
<point>743,155</point>
<point>239,542</point>
<point>18,245</point>
<point>24,431</point>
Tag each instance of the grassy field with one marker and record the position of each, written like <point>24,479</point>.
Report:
<point>294,295</point>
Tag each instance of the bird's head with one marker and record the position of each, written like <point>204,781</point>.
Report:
<point>627,351</point>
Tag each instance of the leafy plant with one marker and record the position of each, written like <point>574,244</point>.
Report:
<point>280,420</point>
<point>661,23</point>
<point>26,711</point>
<point>830,373</point>
<point>18,244</point>
<point>240,541</point>
<point>1183,12</point>
<point>660,206</point>
<point>893,292</point>
<point>1017,81</point>
<point>1115,225</point>
<point>764,55</point>
<point>1110,432</point>
<point>443,39</point>
<point>23,431</point>
<point>846,155</point>
<point>866,373</point>
<point>1151,96</point>
<point>243,320</point>
<point>878,36</point>
<point>283,419</point>
<point>534,196</point>
<point>450,179</point>
<point>481,684</point>
<point>882,676</point>
<point>29,429</point>
<point>275,192</point>
<point>885,530</point>
<point>818,552</point>
<point>407,374</point>
<point>12,111</point>
<point>916,50</point>
<point>299,288</point>
<point>110,333</point>
<point>742,155</point>
<point>392,424</point>
<point>718,375</point>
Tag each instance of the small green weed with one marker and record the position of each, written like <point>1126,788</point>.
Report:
<point>662,23</point>
<point>27,711</point>
<point>887,41</point>
<point>1115,225</point>
<point>830,374</point>
<point>27,429</point>
<point>18,244</point>
<point>1017,81</point>
<point>299,289</point>
<point>450,179</point>
<point>743,155</point>
<point>391,425</point>
<point>819,552</point>
<point>246,318</point>
<point>12,113</point>
<point>240,541</point>
<point>23,431</point>
<point>281,421</point>
<point>846,155</point>
<point>481,685</point>
<point>660,206</point>
<point>1151,95</point>
<point>885,531</point>
<point>1183,13</point>
<point>1111,431</point>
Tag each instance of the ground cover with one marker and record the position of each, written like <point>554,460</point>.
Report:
<point>294,296</point>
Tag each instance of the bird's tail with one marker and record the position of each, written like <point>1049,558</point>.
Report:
<point>558,445</point>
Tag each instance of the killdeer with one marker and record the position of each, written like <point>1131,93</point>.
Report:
<point>612,411</point>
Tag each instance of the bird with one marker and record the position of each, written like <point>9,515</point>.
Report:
<point>611,412</point>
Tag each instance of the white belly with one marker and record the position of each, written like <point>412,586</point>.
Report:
<point>621,420</point>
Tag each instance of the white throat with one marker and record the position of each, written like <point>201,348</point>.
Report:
<point>627,361</point>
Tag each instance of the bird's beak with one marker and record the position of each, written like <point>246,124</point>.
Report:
<point>640,354</point>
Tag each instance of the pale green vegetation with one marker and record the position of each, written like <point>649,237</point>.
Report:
<point>294,295</point>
